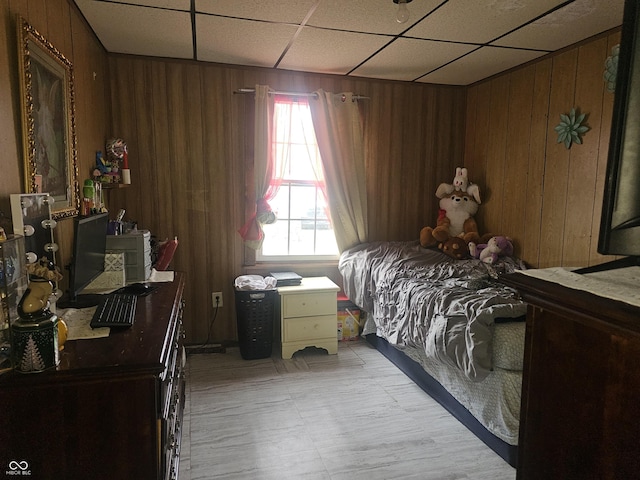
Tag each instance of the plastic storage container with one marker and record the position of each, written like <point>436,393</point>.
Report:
<point>136,247</point>
<point>255,311</point>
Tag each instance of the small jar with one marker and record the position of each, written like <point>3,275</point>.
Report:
<point>34,343</point>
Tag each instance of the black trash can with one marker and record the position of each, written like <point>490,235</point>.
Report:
<point>255,310</point>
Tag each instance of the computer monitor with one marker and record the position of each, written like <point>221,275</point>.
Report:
<point>87,263</point>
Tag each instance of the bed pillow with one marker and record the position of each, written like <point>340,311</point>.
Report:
<point>508,345</point>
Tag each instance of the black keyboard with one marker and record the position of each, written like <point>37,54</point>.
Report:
<point>115,310</point>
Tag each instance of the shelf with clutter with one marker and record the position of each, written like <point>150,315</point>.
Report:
<point>112,170</point>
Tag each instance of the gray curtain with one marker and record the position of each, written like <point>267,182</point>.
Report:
<point>336,120</point>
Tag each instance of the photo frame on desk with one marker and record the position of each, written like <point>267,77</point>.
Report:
<point>48,121</point>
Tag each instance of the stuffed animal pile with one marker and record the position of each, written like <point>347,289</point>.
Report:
<point>456,232</point>
<point>459,203</point>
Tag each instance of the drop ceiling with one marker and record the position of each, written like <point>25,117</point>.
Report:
<point>455,42</point>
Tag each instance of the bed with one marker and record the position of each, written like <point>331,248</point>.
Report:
<point>451,326</point>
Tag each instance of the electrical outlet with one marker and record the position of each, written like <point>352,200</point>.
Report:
<point>216,299</point>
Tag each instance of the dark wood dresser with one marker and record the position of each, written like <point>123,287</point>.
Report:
<point>113,407</point>
<point>580,416</point>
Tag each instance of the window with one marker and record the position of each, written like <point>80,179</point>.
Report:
<point>303,230</point>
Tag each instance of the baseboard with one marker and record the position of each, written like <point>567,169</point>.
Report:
<point>209,348</point>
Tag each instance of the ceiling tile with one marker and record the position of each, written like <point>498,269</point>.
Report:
<point>339,36</point>
<point>358,15</point>
<point>329,51</point>
<point>568,25</point>
<point>241,42</point>
<point>479,21</point>
<point>140,30</point>
<point>170,4</point>
<point>291,11</point>
<point>408,59</point>
<point>480,64</point>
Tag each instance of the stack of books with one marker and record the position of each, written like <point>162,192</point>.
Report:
<point>286,279</point>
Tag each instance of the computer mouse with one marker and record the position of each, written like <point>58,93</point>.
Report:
<point>138,288</point>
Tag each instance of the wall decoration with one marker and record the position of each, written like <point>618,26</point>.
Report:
<point>611,69</point>
<point>48,121</point>
<point>111,168</point>
<point>570,128</point>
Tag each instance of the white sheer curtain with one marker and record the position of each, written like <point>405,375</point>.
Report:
<point>267,171</point>
<point>336,120</point>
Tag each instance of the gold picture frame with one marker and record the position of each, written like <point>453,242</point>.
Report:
<point>48,121</point>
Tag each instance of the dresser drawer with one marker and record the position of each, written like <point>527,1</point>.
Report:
<point>310,304</point>
<point>306,328</point>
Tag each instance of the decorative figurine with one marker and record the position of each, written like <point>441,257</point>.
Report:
<point>35,345</point>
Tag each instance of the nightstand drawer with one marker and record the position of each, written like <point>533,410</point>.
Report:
<point>309,328</point>
<point>323,303</point>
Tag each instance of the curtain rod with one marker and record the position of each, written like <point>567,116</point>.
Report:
<point>293,94</point>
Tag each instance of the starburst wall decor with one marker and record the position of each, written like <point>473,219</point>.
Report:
<point>570,128</point>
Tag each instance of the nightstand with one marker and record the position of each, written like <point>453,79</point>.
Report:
<point>308,316</point>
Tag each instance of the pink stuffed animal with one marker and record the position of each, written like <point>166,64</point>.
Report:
<point>497,246</point>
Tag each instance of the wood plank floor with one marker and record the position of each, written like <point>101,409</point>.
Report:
<point>348,416</point>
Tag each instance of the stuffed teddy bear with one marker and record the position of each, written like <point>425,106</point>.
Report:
<point>497,246</point>
<point>455,247</point>
<point>458,204</point>
<point>455,219</point>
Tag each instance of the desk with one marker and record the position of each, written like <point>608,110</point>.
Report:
<point>111,409</point>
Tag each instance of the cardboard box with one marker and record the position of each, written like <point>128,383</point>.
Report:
<point>348,324</point>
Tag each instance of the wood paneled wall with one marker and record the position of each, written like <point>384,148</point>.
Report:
<point>61,24</point>
<point>190,139</point>
<point>189,150</point>
<point>546,197</point>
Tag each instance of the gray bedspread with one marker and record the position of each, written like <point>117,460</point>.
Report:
<point>421,297</point>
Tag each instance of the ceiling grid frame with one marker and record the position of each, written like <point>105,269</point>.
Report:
<point>452,42</point>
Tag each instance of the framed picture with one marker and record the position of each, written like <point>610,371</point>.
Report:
<point>48,121</point>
